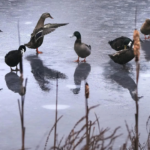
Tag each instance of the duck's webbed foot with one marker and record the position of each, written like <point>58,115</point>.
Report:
<point>84,60</point>
<point>77,60</point>
<point>17,69</point>
<point>12,69</point>
<point>38,52</point>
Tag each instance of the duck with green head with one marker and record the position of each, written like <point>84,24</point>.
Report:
<point>120,43</point>
<point>81,49</point>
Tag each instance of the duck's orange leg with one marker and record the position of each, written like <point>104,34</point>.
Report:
<point>77,60</point>
<point>84,60</point>
<point>38,52</point>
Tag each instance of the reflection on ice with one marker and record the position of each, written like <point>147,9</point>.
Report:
<point>146,75</point>
<point>81,73</point>
<point>73,86</point>
<point>13,82</point>
<point>53,107</point>
<point>41,73</point>
<point>28,22</point>
<point>126,82</point>
<point>145,45</point>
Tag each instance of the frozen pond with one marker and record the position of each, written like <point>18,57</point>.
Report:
<point>110,86</point>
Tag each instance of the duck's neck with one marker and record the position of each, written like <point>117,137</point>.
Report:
<point>40,23</point>
<point>131,45</point>
<point>78,41</point>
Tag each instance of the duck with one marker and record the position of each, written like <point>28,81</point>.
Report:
<point>145,29</point>
<point>120,43</point>
<point>123,56</point>
<point>13,57</point>
<point>81,49</point>
<point>40,30</point>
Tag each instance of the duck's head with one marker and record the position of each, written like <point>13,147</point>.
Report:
<point>22,49</point>
<point>46,15</point>
<point>77,35</point>
<point>147,21</point>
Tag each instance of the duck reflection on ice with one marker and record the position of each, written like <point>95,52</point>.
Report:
<point>126,82</point>
<point>41,73</point>
<point>13,82</point>
<point>146,48</point>
<point>81,73</point>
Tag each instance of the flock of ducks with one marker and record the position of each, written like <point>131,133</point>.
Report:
<point>123,45</point>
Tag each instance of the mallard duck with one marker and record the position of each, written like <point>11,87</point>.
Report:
<point>82,50</point>
<point>145,29</point>
<point>40,30</point>
<point>14,57</point>
<point>120,43</point>
<point>123,56</point>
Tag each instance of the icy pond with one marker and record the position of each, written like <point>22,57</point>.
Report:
<point>110,86</point>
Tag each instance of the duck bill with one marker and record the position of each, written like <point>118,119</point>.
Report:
<point>51,17</point>
<point>72,36</point>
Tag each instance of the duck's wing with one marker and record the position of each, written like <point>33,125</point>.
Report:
<point>120,53</point>
<point>122,56</point>
<point>88,46</point>
<point>11,54</point>
<point>46,29</point>
<point>83,50</point>
<point>145,29</point>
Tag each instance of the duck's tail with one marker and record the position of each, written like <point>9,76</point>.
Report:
<point>110,42</point>
<point>90,47</point>
<point>110,55</point>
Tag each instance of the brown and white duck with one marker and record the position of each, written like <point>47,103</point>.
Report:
<point>145,29</point>
<point>40,30</point>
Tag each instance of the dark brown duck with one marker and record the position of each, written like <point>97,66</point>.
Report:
<point>14,57</point>
<point>123,56</point>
